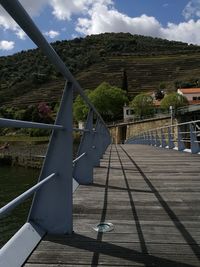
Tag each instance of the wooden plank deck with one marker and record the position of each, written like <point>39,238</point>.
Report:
<point>151,195</point>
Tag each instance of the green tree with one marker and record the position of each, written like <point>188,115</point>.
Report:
<point>80,109</point>
<point>162,86</point>
<point>175,100</point>
<point>124,81</point>
<point>109,101</point>
<point>142,105</point>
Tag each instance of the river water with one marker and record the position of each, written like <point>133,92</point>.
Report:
<point>14,181</point>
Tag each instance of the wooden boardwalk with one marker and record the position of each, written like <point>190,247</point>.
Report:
<point>151,195</point>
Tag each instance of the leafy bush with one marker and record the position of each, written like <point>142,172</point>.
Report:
<point>80,109</point>
<point>175,100</point>
<point>107,99</point>
<point>142,105</point>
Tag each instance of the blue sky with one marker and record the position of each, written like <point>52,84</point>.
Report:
<point>65,19</point>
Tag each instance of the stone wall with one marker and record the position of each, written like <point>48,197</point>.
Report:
<point>121,132</point>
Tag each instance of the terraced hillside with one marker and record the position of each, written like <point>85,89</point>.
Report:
<point>144,73</point>
<point>27,77</point>
<point>48,92</point>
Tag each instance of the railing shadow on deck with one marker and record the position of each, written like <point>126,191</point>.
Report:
<point>120,188</point>
<point>174,218</point>
<point>51,210</point>
<point>99,247</point>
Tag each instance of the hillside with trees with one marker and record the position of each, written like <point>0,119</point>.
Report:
<point>132,62</point>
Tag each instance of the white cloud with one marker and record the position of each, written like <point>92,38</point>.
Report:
<point>185,32</point>
<point>107,19</point>
<point>98,16</point>
<point>33,7</point>
<point>21,34</point>
<point>6,21</point>
<point>192,9</point>
<point>102,19</point>
<point>73,36</point>
<point>61,9</point>
<point>64,9</point>
<point>52,34</point>
<point>6,45</point>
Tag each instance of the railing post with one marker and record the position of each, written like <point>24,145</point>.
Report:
<point>157,139</point>
<point>195,148</point>
<point>83,169</point>
<point>102,139</point>
<point>170,138</point>
<point>153,142</point>
<point>105,137</point>
<point>135,139</point>
<point>163,141</point>
<point>142,139</point>
<point>96,145</point>
<point>181,145</point>
<point>148,138</point>
<point>52,205</point>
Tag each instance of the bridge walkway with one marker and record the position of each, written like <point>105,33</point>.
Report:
<point>151,195</point>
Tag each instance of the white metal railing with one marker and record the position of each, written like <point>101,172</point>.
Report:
<point>183,136</point>
<point>51,210</point>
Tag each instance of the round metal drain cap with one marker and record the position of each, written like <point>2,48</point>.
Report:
<point>104,227</point>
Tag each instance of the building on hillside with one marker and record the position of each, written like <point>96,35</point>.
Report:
<point>192,94</point>
<point>128,113</point>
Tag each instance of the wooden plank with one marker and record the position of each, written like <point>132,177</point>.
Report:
<point>152,197</point>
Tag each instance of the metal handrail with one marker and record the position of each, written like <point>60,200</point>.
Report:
<point>79,157</point>
<point>173,125</point>
<point>166,139</point>
<point>19,14</point>
<point>18,200</point>
<point>51,208</point>
<point>28,124</point>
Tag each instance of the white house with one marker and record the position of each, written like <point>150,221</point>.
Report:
<point>128,113</point>
<point>192,94</point>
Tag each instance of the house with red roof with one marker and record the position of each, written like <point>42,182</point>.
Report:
<point>192,94</point>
